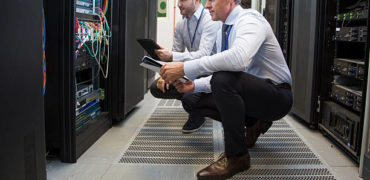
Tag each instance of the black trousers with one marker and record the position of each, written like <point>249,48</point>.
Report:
<point>189,100</point>
<point>171,93</point>
<point>239,99</point>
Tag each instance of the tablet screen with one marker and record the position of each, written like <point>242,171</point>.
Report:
<point>149,45</point>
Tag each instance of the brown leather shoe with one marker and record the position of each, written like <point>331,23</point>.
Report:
<point>225,167</point>
<point>254,131</point>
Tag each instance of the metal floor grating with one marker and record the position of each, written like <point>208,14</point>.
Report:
<point>278,154</point>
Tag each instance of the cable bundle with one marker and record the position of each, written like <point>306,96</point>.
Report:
<point>98,33</point>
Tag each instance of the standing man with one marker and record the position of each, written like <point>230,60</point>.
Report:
<point>251,82</point>
<point>196,33</point>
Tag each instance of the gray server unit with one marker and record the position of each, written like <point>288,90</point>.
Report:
<point>131,19</point>
<point>303,59</point>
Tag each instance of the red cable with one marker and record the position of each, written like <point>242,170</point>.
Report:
<point>77,24</point>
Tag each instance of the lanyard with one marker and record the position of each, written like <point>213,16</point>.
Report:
<point>195,32</point>
<point>227,38</point>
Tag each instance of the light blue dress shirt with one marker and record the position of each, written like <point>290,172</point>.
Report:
<point>205,38</point>
<point>253,48</point>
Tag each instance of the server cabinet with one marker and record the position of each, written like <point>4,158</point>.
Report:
<point>304,63</point>
<point>132,19</point>
<point>22,151</point>
<point>78,61</point>
<point>343,68</point>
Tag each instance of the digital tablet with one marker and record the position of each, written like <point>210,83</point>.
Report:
<point>149,45</point>
<point>155,66</point>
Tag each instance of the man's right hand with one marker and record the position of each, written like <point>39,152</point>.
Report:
<point>163,86</point>
<point>185,87</point>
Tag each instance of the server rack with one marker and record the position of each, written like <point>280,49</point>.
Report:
<point>77,101</point>
<point>132,19</point>
<point>22,151</point>
<point>343,68</point>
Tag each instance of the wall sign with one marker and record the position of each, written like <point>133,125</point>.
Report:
<point>162,8</point>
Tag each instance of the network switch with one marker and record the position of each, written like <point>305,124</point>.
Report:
<point>348,96</point>
<point>81,102</point>
<point>349,67</point>
<point>86,89</point>
<point>351,34</point>
<point>90,114</point>
<point>359,14</point>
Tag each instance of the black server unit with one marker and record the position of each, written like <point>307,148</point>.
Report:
<point>78,46</point>
<point>283,26</point>
<point>279,14</point>
<point>22,151</point>
<point>270,12</point>
<point>304,59</point>
<point>132,19</point>
<point>343,68</point>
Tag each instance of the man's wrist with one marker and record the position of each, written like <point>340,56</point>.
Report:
<point>171,56</point>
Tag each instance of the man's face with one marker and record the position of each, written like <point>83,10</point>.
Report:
<point>218,9</point>
<point>187,7</point>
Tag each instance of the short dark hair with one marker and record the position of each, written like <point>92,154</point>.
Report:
<point>237,1</point>
<point>245,4</point>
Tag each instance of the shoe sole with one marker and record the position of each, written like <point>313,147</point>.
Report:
<point>226,177</point>
<point>193,130</point>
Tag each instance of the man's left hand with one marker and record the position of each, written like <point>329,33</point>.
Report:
<point>164,54</point>
<point>172,71</point>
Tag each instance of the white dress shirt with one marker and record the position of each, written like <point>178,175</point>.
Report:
<point>205,38</point>
<point>253,48</point>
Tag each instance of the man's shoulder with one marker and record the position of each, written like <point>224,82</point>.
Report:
<point>180,24</point>
<point>252,14</point>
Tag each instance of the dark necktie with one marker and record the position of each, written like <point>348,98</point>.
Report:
<point>225,29</point>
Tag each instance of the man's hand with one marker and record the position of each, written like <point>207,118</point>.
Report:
<point>185,87</point>
<point>172,71</point>
<point>163,86</point>
<point>164,54</point>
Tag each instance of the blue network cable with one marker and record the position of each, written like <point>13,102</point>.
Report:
<point>43,52</point>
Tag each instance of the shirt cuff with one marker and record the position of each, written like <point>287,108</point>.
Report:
<point>191,69</point>
<point>202,85</point>
<point>177,57</point>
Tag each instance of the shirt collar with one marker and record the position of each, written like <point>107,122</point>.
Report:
<point>198,13</point>
<point>233,15</point>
